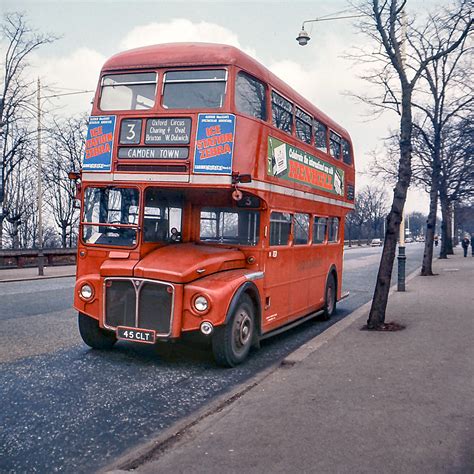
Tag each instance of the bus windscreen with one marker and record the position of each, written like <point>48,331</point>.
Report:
<point>128,91</point>
<point>201,89</point>
<point>110,216</point>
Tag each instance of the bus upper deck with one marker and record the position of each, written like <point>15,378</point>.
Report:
<point>207,115</point>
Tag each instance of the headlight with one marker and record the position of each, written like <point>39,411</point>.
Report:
<point>86,292</point>
<point>201,304</point>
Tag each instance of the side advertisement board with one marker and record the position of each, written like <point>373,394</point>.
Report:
<point>293,164</point>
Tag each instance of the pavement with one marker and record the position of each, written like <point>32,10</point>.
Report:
<point>349,401</point>
<point>31,273</point>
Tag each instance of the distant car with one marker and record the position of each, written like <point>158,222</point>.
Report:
<point>408,240</point>
<point>376,243</point>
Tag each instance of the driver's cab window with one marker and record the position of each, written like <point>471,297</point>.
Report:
<point>163,212</point>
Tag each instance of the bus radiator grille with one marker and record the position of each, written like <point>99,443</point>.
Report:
<point>139,303</point>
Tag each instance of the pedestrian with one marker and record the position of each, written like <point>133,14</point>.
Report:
<point>436,238</point>
<point>472,244</point>
<point>465,244</point>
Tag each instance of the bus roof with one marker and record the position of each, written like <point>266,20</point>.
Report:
<point>211,54</point>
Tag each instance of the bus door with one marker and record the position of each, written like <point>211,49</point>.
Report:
<point>278,274</point>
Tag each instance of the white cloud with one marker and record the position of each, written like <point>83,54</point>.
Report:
<point>78,71</point>
<point>181,30</point>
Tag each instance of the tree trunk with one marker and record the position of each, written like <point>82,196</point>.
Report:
<point>15,231</point>
<point>455,227</point>
<point>443,253</point>
<point>449,231</point>
<point>382,287</point>
<point>427,265</point>
<point>64,236</point>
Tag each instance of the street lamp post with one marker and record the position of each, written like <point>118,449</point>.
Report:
<point>40,189</point>
<point>401,244</point>
<point>401,256</point>
<point>1,158</point>
<point>40,171</point>
<point>304,37</point>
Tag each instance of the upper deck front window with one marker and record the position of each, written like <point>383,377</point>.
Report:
<point>203,89</point>
<point>128,91</point>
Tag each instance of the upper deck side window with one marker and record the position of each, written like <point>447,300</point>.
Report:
<point>250,96</point>
<point>282,112</point>
<point>346,152</point>
<point>335,145</point>
<point>194,89</point>
<point>303,125</point>
<point>320,135</point>
<point>135,91</point>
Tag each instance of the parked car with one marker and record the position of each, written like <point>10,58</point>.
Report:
<point>408,240</point>
<point>376,243</point>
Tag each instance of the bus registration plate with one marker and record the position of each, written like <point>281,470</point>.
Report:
<point>146,336</point>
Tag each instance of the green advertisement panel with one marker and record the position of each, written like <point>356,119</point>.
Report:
<point>293,164</point>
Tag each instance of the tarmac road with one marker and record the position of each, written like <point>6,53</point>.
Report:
<point>68,408</point>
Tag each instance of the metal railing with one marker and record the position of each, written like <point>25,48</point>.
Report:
<point>22,258</point>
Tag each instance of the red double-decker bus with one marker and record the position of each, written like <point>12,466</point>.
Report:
<point>213,200</point>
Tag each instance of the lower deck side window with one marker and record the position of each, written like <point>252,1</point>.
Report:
<point>301,228</point>
<point>280,227</point>
<point>333,229</point>
<point>319,230</point>
<point>229,226</point>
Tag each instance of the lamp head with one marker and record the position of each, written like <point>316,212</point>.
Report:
<point>303,38</point>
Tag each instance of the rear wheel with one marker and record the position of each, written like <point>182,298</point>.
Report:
<point>231,343</point>
<point>330,298</point>
<point>93,335</point>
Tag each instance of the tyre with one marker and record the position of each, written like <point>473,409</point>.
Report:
<point>93,335</point>
<point>231,342</point>
<point>330,298</point>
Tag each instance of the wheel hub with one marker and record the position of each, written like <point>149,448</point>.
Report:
<point>242,329</point>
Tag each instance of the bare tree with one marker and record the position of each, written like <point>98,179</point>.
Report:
<point>450,96</point>
<point>21,203</point>
<point>377,209</point>
<point>398,70</point>
<point>65,149</point>
<point>357,219</point>
<point>456,176</point>
<point>416,224</point>
<point>370,211</point>
<point>17,92</point>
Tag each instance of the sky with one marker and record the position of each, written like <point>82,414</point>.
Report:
<point>89,32</point>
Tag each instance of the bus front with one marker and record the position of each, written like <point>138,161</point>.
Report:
<point>165,246</point>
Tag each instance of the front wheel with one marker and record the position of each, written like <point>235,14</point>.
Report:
<point>93,335</point>
<point>231,343</point>
<point>330,298</point>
